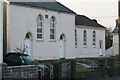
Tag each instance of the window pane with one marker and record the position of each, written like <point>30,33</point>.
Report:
<point>39,30</point>
<point>51,31</point>
<point>75,35</point>
<point>51,36</point>
<point>93,40</point>
<point>75,43</point>
<point>52,19</point>
<point>39,36</point>
<point>84,43</point>
<point>94,44</point>
<point>85,36</point>
<point>75,39</point>
<point>41,24</point>
<point>52,25</point>
<point>75,31</point>
<point>39,18</point>
<point>38,23</point>
<point>27,35</point>
<point>85,39</point>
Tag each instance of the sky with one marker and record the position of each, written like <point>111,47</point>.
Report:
<point>104,11</point>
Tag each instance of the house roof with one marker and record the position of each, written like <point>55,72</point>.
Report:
<point>116,27</point>
<point>46,5</point>
<point>115,30</point>
<point>85,21</point>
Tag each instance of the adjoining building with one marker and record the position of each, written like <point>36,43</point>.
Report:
<point>115,40</point>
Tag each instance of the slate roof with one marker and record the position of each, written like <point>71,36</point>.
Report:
<point>85,21</point>
<point>46,5</point>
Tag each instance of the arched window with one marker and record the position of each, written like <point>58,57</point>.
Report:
<point>84,38</point>
<point>52,28</point>
<point>75,38</point>
<point>39,27</point>
<point>94,38</point>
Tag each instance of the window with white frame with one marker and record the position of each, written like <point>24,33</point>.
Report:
<point>75,38</point>
<point>94,38</point>
<point>39,27</point>
<point>84,38</point>
<point>52,28</point>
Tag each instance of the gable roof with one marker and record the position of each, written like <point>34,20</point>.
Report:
<point>46,5</point>
<point>85,21</point>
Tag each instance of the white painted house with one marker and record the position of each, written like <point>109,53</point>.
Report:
<point>90,37</point>
<point>115,40</point>
<point>49,30</point>
<point>114,50</point>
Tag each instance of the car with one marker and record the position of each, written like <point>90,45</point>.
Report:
<point>16,59</point>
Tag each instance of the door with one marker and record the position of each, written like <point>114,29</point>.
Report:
<point>101,48</point>
<point>62,46</point>
<point>28,44</point>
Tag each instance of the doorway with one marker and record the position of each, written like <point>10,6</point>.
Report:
<point>100,48</point>
<point>62,46</point>
<point>28,44</point>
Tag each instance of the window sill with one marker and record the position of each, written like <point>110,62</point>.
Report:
<point>84,46</point>
<point>52,40</point>
<point>39,40</point>
<point>94,46</point>
<point>75,46</point>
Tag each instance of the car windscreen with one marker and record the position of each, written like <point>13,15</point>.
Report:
<point>27,59</point>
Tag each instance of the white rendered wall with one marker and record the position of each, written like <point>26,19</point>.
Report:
<point>1,31</point>
<point>115,44</point>
<point>23,20</point>
<point>89,51</point>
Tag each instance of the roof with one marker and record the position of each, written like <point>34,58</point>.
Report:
<point>85,21</point>
<point>115,30</point>
<point>116,27</point>
<point>46,5</point>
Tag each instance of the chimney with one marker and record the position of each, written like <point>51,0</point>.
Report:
<point>94,20</point>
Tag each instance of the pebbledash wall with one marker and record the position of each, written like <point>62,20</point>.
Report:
<point>23,19</point>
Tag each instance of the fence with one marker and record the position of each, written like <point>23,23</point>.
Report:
<point>89,68</point>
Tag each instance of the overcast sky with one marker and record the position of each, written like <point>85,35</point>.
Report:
<point>105,11</point>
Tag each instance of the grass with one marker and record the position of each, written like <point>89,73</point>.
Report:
<point>90,62</point>
<point>79,68</point>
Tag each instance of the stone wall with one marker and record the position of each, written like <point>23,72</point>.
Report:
<point>20,72</point>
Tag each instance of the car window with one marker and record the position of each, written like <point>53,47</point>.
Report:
<point>27,59</point>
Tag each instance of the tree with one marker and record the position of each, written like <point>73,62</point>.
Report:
<point>108,38</point>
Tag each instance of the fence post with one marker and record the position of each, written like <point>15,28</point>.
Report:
<point>73,68</point>
<point>101,67</point>
<point>59,70</point>
<point>110,66</point>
